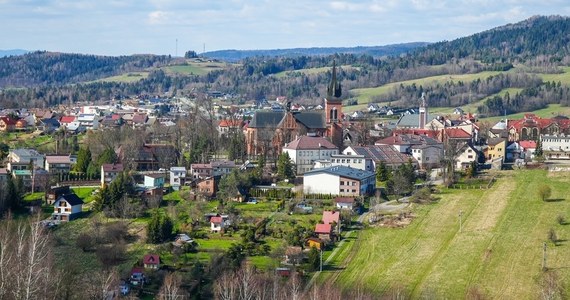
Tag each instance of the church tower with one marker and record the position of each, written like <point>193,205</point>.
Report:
<point>333,110</point>
<point>423,112</point>
<point>333,103</point>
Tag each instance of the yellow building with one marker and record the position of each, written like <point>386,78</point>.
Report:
<point>497,148</point>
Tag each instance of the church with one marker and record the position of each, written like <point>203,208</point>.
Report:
<point>269,131</point>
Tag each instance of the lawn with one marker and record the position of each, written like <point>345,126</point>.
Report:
<point>195,68</point>
<point>366,95</point>
<point>126,78</point>
<point>311,71</point>
<point>498,252</point>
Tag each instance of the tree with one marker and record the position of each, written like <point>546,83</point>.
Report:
<point>190,54</point>
<point>285,168</point>
<point>83,160</point>
<point>382,171</point>
<point>544,192</point>
<point>314,259</point>
<point>171,289</point>
<point>159,229</point>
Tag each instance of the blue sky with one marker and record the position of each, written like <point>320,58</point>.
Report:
<point>117,27</point>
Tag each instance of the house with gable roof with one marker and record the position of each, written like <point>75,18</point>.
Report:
<point>305,150</point>
<point>67,207</point>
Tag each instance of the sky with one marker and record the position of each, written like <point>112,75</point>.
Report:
<point>124,27</point>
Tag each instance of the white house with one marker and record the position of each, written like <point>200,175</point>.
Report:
<point>89,121</point>
<point>67,207</point>
<point>467,155</point>
<point>339,180</point>
<point>177,176</point>
<point>153,180</point>
<point>19,159</point>
<point>58,164</point>
<point>218,223</point>
<point>427,156</point>
<point>109,172</point>
<point>344,202</point>
<point>354,161</point>
<point>556,146</point>
<point>305,150</point>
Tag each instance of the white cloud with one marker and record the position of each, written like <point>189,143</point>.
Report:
<point>158,17</point>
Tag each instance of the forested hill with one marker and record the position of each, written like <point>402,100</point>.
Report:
<point>43,68</point>
<point>538,35</point>
<point>376,51</point>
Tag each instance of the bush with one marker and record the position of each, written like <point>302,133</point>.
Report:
<point>544,192</point>
<point>85,241</point>
<point>561,220</point>
<point>552,236</point>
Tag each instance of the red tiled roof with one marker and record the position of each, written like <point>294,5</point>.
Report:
<point>151,259</point>
<point>344,200</point>
<point>230,123</point>
<point>9,121</point>
<point>531,120</point>
<point>457,133</point>
<point>67,119</point>
<point>323,228</point>
<point>216,220</point>
<point>330,217</point>
<point>137,270</point>
<point>528,144</point>
<point>112,167</point>
<point>310,142</point>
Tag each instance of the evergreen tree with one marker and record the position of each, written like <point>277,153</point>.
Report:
<point>382,172</point>
<point>159,229</point>
<point>538,152</point>
<point>285,166</point>
<point>83,160</point>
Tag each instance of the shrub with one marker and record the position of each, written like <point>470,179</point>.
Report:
<point>544,192</point>
<point>552,236</point>
<point>561,220</point>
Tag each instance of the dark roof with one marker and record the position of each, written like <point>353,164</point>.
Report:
<point>52,122</point>
<point>264,119</point>
<point>311,119</point>
<point>385,153</point>
<point>72,199</point>
<point>495,141</point>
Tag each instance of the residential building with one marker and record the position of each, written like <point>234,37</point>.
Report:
<point>154,180</point>
<point>7,124</point>
<point>305,150</point>
<point>48,125</point>
<point>208,186</point>
<point>53,193</point>
<point>467,154</point>
<point>177,177</point>
<point>324,231</point>
<point>360,162</point>
<point>109,172</point>
<point>67,207</point>
<point>151,261</point>
<point>58,164</point>
<point>339,180</point>
<point>344,203</point>
<point>377,153</point>
<point>213,168</point>
<point>89,121</point>
<point>555,146</point>
<point>217,223</point>
<point>497,149</point>
<point>331,216</point>
<point>228,126</point>
<point>20,159</point>
<point>427,156</point>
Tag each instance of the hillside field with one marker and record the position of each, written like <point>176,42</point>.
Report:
<point>497,254</point>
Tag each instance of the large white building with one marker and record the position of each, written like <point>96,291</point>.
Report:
<point>339,180</point>
<point>556,146</point>
<point>306,150</point>
<point>20,159</point>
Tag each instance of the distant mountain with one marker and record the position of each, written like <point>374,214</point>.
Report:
<point>12,52</point>
<point>538,35</point>
<point>377,51</point>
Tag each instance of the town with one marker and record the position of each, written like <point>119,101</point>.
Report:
<point>179,185</point>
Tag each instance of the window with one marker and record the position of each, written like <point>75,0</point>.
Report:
<point>353,183</point>
<point>341,182</point>
<point>354,191</point>
<point>469,156</point>
<point>427,158</point>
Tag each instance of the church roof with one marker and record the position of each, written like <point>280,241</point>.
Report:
<point>413,120</point>
<point>264,119</point>
<point>311,119</point>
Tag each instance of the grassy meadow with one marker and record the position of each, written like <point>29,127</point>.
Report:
<point>497,254</point>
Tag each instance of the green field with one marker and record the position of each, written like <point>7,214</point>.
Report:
<point>366,95</point>
<point>498,252</point>
<point>126,78</point>
<point>195,68</point>
<point>551,111</point>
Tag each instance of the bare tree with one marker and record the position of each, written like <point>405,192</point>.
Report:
<point>171,289</point>
<point>101,285</point>
<point>226,287</point>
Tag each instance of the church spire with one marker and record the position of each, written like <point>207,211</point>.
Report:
<point>334,90</point>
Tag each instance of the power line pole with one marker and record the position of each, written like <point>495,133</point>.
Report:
<point>544,256</point>
<point>460,221</point>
